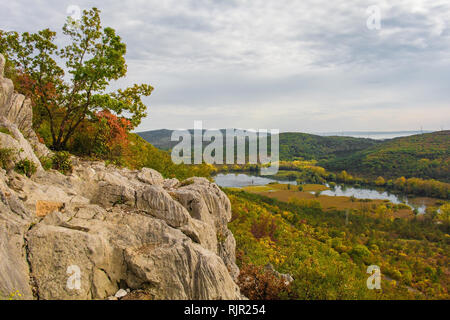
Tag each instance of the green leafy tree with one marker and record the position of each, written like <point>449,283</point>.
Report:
<point>64,97</point>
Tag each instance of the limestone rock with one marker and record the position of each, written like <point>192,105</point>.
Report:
<point>17,142</point>
<point>16,110</point>
<point>150,176</point>
<point>170,183</point>
<point>121,293</point>
<point>137,250</point>
<point>157,202</point>
<point>14,223</point>
<point>150,243</point>
<point>207,203</point>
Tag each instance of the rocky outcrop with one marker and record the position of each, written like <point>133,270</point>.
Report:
<point>101,229</point>
<point>12,138</point>
<point>16,116</point>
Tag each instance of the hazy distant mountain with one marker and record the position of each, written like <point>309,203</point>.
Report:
<point>159,138</point>
<point>379,135</point>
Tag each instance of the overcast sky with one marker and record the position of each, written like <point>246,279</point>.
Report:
<point>310,66</point>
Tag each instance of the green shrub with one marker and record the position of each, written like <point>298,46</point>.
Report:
<point>360,252</point>
<point>26,167</point>
<point>47,163</point>
<point>61,162</point>
<point>5,131</point>
<point>44,132</point>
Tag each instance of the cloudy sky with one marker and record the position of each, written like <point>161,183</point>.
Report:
<point>311,66</point>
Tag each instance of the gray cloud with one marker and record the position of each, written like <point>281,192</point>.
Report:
<point>294,65</point>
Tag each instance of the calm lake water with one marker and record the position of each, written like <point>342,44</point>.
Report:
<point>240,180</point>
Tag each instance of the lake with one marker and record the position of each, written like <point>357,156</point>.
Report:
<point>240,180</point>
<point>363,193</point>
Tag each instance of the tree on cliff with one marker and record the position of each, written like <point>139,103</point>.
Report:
<point>65,96</point>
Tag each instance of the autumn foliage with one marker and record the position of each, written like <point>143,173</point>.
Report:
<point>113,129</point>
<point>264,227</point>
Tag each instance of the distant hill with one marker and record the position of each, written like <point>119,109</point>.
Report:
<point>378,135</point>
<point>423,155</point>
<point>292,145</point>
<point>308,146</point>
<point>161,138</point>
<point>158,138</point>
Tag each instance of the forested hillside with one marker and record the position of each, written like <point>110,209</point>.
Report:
<point>328,253</point>
<point>425,156</point>
<point>292,144</point>
<point>308,146</point>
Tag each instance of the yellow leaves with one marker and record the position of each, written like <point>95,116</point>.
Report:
<point>382,211</point>
<point>287,215</point>
<point>400,182</point>
<point>444,213</point>
<point>267,243</point>
<point>15,295</point>
<point>344,176</point>
<point>273,251</point>
<point>380,181</point>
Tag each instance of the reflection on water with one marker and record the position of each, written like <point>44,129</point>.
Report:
<point>232,180</point>
<point>361,193</point>
<point>239,180</point>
